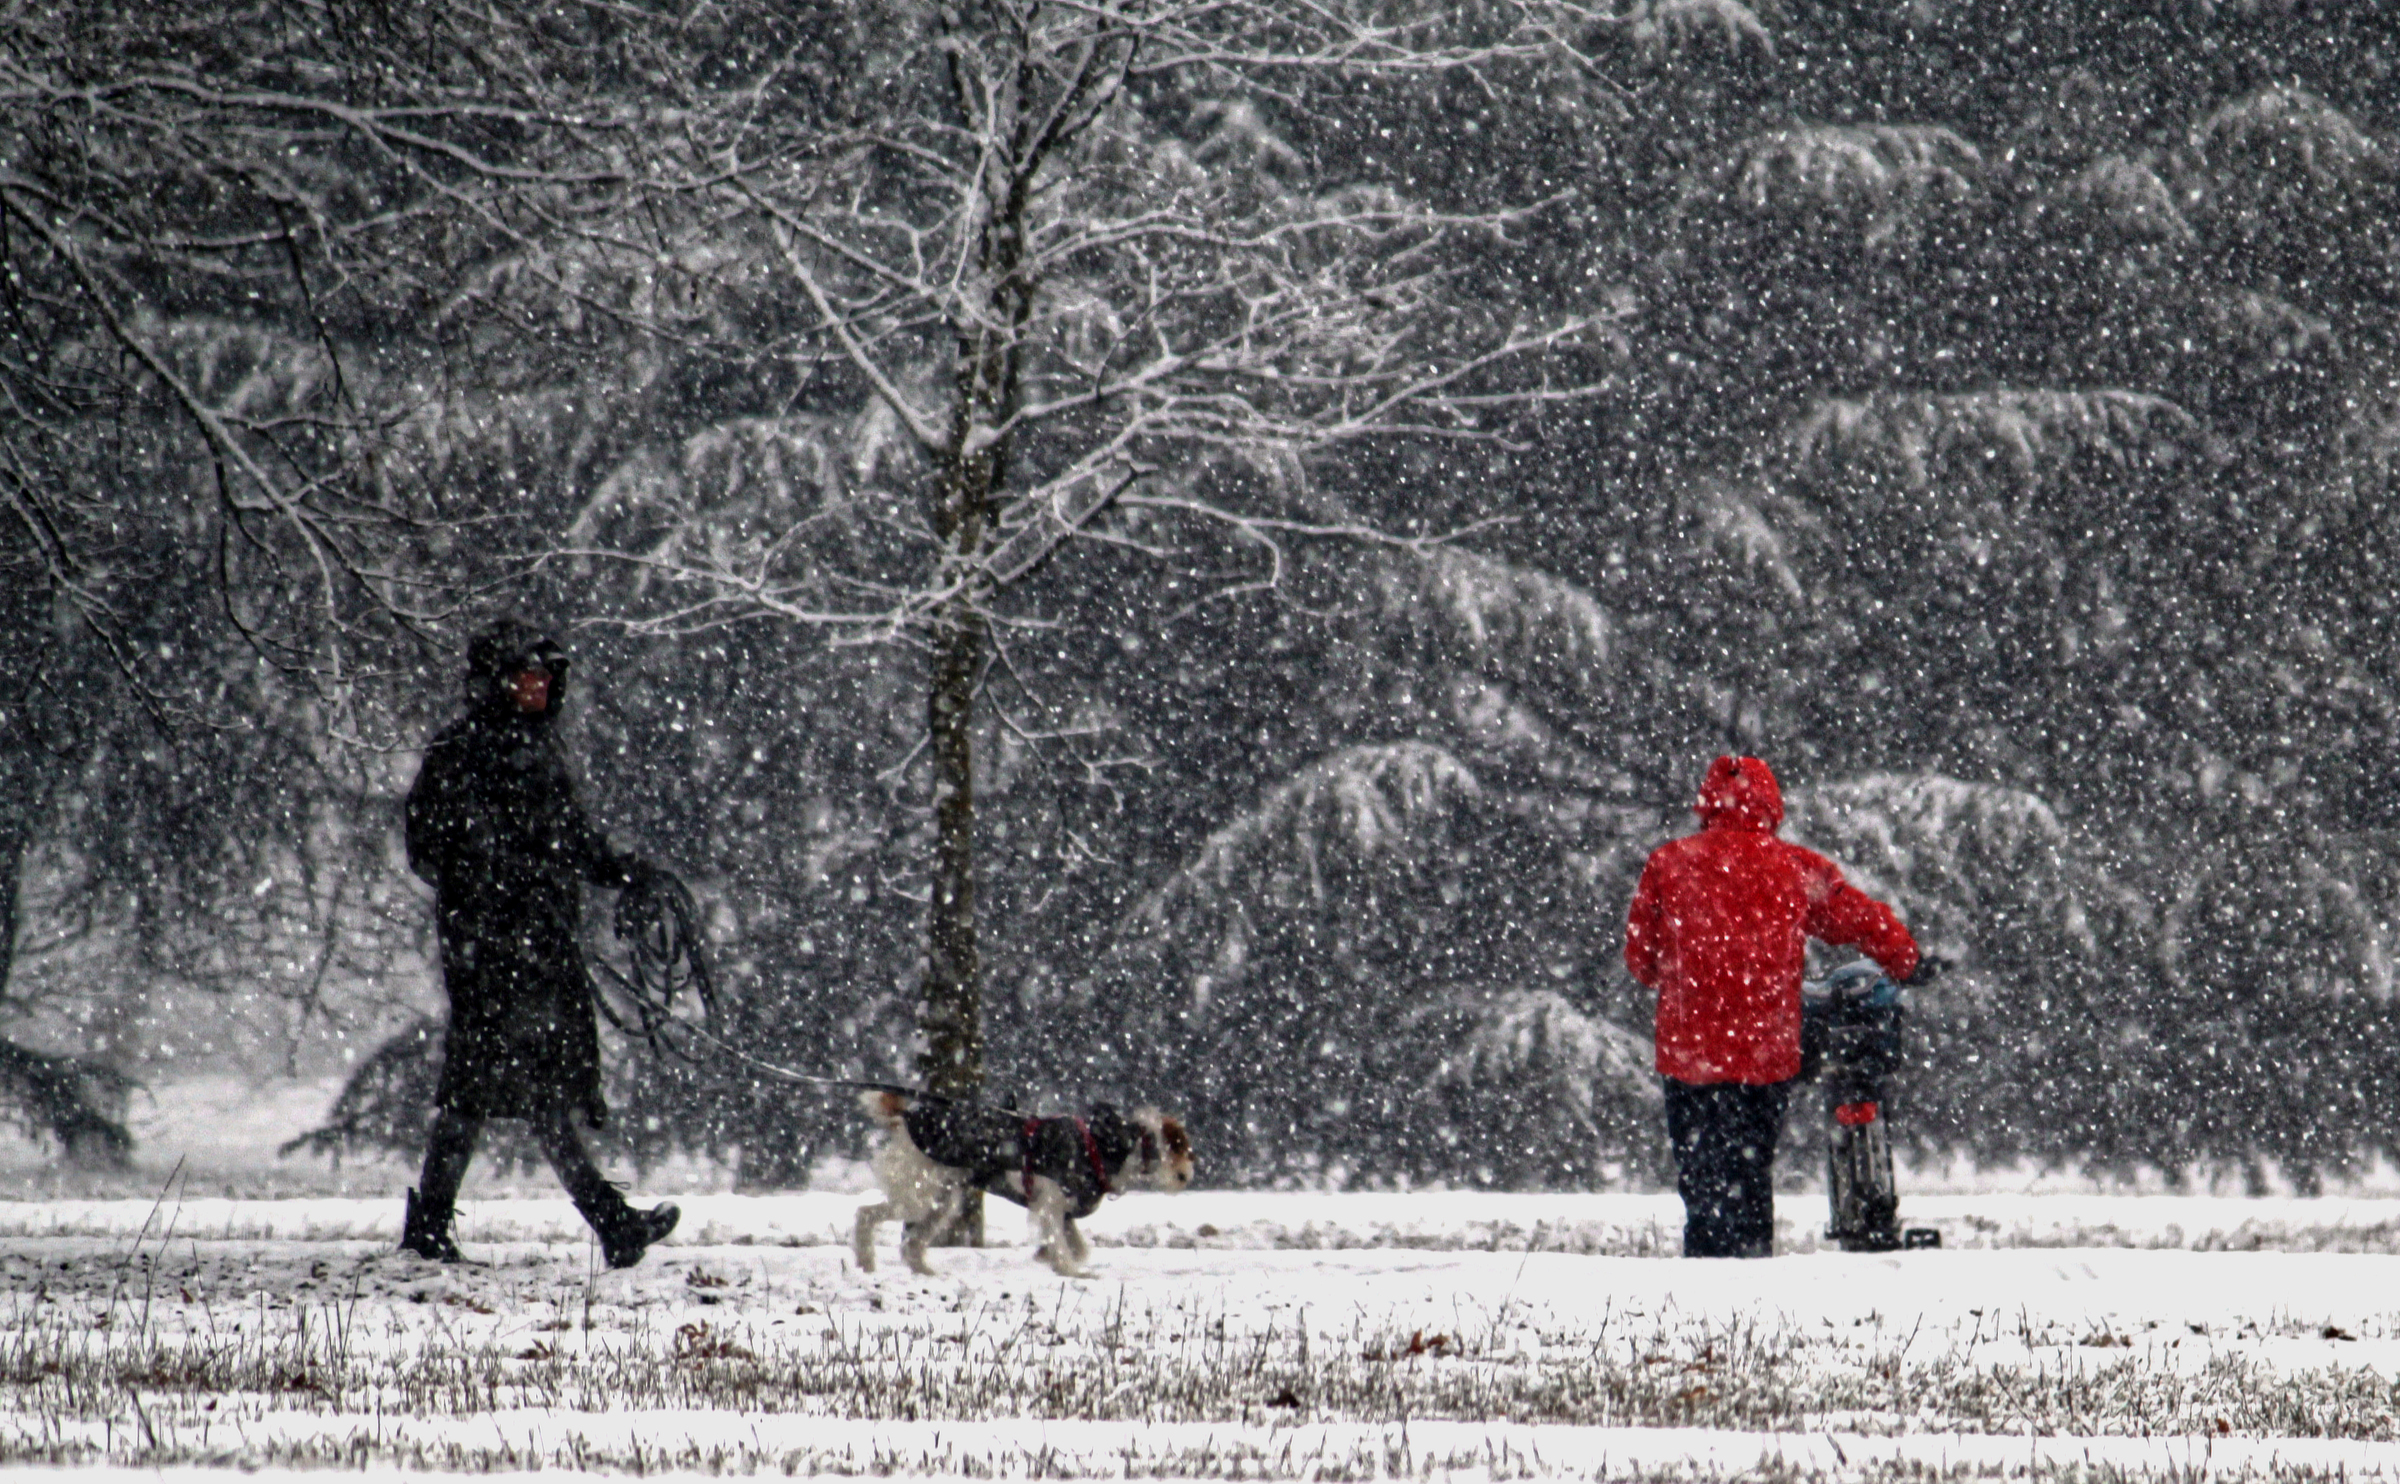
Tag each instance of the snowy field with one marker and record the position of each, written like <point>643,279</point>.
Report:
<point>1222,1335</point>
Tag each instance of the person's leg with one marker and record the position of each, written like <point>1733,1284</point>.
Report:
<point>449,1147</point>
<point>1697,1130</point>
<point>1756,1128</point>
<point>623,1231</point>
<point>601,1203</point>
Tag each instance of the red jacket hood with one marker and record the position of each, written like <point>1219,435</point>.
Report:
<point>1740,793</point>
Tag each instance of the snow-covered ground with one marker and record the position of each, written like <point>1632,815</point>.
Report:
<point>1221,1335</point>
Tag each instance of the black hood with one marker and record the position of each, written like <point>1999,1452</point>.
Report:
<point>498,654</point>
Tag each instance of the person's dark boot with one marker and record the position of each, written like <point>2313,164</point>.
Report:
<point>624,1239</point>
<point>427,1234</point>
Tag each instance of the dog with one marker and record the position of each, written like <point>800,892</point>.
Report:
<point>1058,1169</point>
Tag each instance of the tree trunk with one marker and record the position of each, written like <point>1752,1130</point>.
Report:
<point>951,1015</point>
<point>952,1018</point>
<point>987,369</point>
<point>15,830</point>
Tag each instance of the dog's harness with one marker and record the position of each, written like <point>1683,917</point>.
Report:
<point>1001,1151</point>
<point>1091,1152</point>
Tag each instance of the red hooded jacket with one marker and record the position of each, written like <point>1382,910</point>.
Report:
<point>1720,925</point>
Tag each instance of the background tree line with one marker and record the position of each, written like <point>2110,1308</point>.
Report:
<point>1454,427</point>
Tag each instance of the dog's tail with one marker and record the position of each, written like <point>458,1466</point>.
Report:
<point>884,1106</point>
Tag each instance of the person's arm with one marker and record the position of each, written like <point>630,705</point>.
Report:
<point>421,827</point>
<point>1844,916</point>
<point>439,822</point>
<point>570,836</point>
<point>459,843</point>
<point>1645,930</point>
<point>596,860</point>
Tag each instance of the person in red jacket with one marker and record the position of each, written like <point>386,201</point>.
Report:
<point>1719,928</point>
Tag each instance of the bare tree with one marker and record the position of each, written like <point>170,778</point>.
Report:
<point>250,233</point>
<point>1086,292</point>
<point>228,243</point>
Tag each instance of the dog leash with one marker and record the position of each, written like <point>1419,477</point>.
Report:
<point>655,1027</point>
<point>660,938</point>
<point>810,1079</point>
<point>1027,1132</point>
<point>651,989</point>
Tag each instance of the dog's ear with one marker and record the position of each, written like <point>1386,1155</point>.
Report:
<point>1170,1134</point>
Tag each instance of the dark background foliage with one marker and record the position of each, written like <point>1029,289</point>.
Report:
<point>1994,428</point>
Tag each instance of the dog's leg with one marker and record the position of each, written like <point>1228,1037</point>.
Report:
<point>920,1233</point>
<point>862,1233</point>
<point>1057,1229</point>
<point>1080,1249</point>
<point>1037,1227</point>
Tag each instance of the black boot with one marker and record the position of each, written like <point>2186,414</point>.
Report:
<point>624,1232</point>
<point>426,1233</point>
<point>449,1145</point>
<point>625,1239</point>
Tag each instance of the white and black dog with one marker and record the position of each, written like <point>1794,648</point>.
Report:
<point>1058,1169</point>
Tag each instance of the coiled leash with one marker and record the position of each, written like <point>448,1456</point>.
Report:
<point>659,925</point>
<point>665,956</point>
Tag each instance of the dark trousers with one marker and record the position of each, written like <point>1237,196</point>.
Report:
<point>1724,1136</point>
<point>451,1145</point>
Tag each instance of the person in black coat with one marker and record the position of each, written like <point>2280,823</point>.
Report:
<point>494,826</point>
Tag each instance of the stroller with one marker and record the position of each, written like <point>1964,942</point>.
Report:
<point>1850,1041</point>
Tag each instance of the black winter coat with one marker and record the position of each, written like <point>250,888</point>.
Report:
<point>494,825</point>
